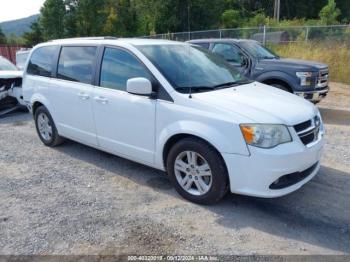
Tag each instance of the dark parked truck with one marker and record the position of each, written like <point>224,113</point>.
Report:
<point>304,78</point>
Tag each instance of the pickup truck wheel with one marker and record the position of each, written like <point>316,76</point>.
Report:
<point>197,171</point>
<point>46,128</point>
<point>282,87</point>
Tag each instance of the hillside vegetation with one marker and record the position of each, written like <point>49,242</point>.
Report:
<point>130,18</point>
<point>19,26</point>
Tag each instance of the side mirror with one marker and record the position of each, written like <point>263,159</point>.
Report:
<point>139,86</point>
<point>245,61</point>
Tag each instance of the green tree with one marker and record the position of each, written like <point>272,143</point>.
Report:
<point>12,39</point>
<point>258,20</point>
<point>35,36</point>
<point>329,14</point>
<point>52,19</point>
<point>127,17</point>
<point>90,17</point>
<point>69,22</point>
<point>2,37</point>
<point>109,27</point>
<point>231,18</point>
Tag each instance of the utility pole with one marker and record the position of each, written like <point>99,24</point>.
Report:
<point>277,10</point>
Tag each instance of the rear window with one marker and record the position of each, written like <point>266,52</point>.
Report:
<point>40,62</point>
<point>76,63</point>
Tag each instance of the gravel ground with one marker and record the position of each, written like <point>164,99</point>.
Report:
<point>77,200</point>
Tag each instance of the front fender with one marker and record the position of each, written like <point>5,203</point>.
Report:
<point>230,141</point>
<point>279,76</point>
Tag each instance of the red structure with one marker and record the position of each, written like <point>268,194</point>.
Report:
<point>9,51</point>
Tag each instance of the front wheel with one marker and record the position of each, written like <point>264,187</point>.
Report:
<point>197,171</point>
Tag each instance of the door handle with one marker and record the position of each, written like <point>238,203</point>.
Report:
<point>84,96</point>
<point>101,100</point>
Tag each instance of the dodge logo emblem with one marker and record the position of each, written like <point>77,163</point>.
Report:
<point>317,121</point>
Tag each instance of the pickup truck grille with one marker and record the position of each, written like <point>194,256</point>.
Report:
<point>308,131</point>
<point>322,78</point>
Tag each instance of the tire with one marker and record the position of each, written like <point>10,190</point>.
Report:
<point>46,128</point>
<point>282,87</point>
<point>216,185</point>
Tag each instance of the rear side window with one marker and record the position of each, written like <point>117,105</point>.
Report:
<point>76,63</point>
<point>41,61</point>
<point>204,45</point>
<point>118,66</point>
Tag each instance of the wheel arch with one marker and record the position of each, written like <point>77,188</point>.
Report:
<point>223,137</point>
<point>35,106</point>
<point>279,82</point>
<point>278,78</point>
<point>178,137</point>
<point>39,100</point>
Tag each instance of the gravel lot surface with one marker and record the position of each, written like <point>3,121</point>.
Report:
<point>77,200</point>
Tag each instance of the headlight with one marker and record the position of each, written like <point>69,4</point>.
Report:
<point>265,135</point>
<point>305,78</point>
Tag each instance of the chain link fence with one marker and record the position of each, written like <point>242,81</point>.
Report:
<point>267,35</point>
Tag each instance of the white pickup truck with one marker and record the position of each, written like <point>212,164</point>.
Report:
<point>10,87</point>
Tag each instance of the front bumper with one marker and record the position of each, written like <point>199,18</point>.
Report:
<point>253,175</point>
<point>313,96</point>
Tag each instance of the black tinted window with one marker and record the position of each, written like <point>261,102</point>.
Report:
<point>118,66</point>
<point>76,63</point>
<point>229,52</point>
<point>40,62</point>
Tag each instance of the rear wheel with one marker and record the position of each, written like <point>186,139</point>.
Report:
<point>197,171</point>
<point>46,128</point>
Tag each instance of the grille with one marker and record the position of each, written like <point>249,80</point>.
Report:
<point>322,78</point>
<point>302,126</point>
<point>308,131</point>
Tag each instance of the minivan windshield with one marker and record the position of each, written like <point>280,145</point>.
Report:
<point>258,51</point>
<point>193,68</point>
<point>6,65</point>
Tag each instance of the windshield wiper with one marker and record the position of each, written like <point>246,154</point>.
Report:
<point>232,84</point>
<point>269,57</point>
<point>195,89</point>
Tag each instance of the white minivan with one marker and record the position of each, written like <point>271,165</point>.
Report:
<point>178,108</point>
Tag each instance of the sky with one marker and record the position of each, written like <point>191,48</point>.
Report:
<point>15,9</point>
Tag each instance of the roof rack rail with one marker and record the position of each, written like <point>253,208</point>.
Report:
<point>87,38</point>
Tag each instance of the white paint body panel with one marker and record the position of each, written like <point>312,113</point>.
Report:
<point>125,123</point>
<point>137,127</point>
<point>11,74</point>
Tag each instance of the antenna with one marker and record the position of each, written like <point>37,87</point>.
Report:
<point>188,20</point>
<point>189,38</point>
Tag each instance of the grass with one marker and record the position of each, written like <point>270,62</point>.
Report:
<point>336,55</point>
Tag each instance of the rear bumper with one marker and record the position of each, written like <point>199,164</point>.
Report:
<point>313,96</point>
<point>254,175</point>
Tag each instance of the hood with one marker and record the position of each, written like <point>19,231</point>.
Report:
<point>297,64</point>
<point>259,103</point>
<point>10,74</point>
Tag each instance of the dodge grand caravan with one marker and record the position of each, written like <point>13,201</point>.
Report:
<point>178,108</point>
